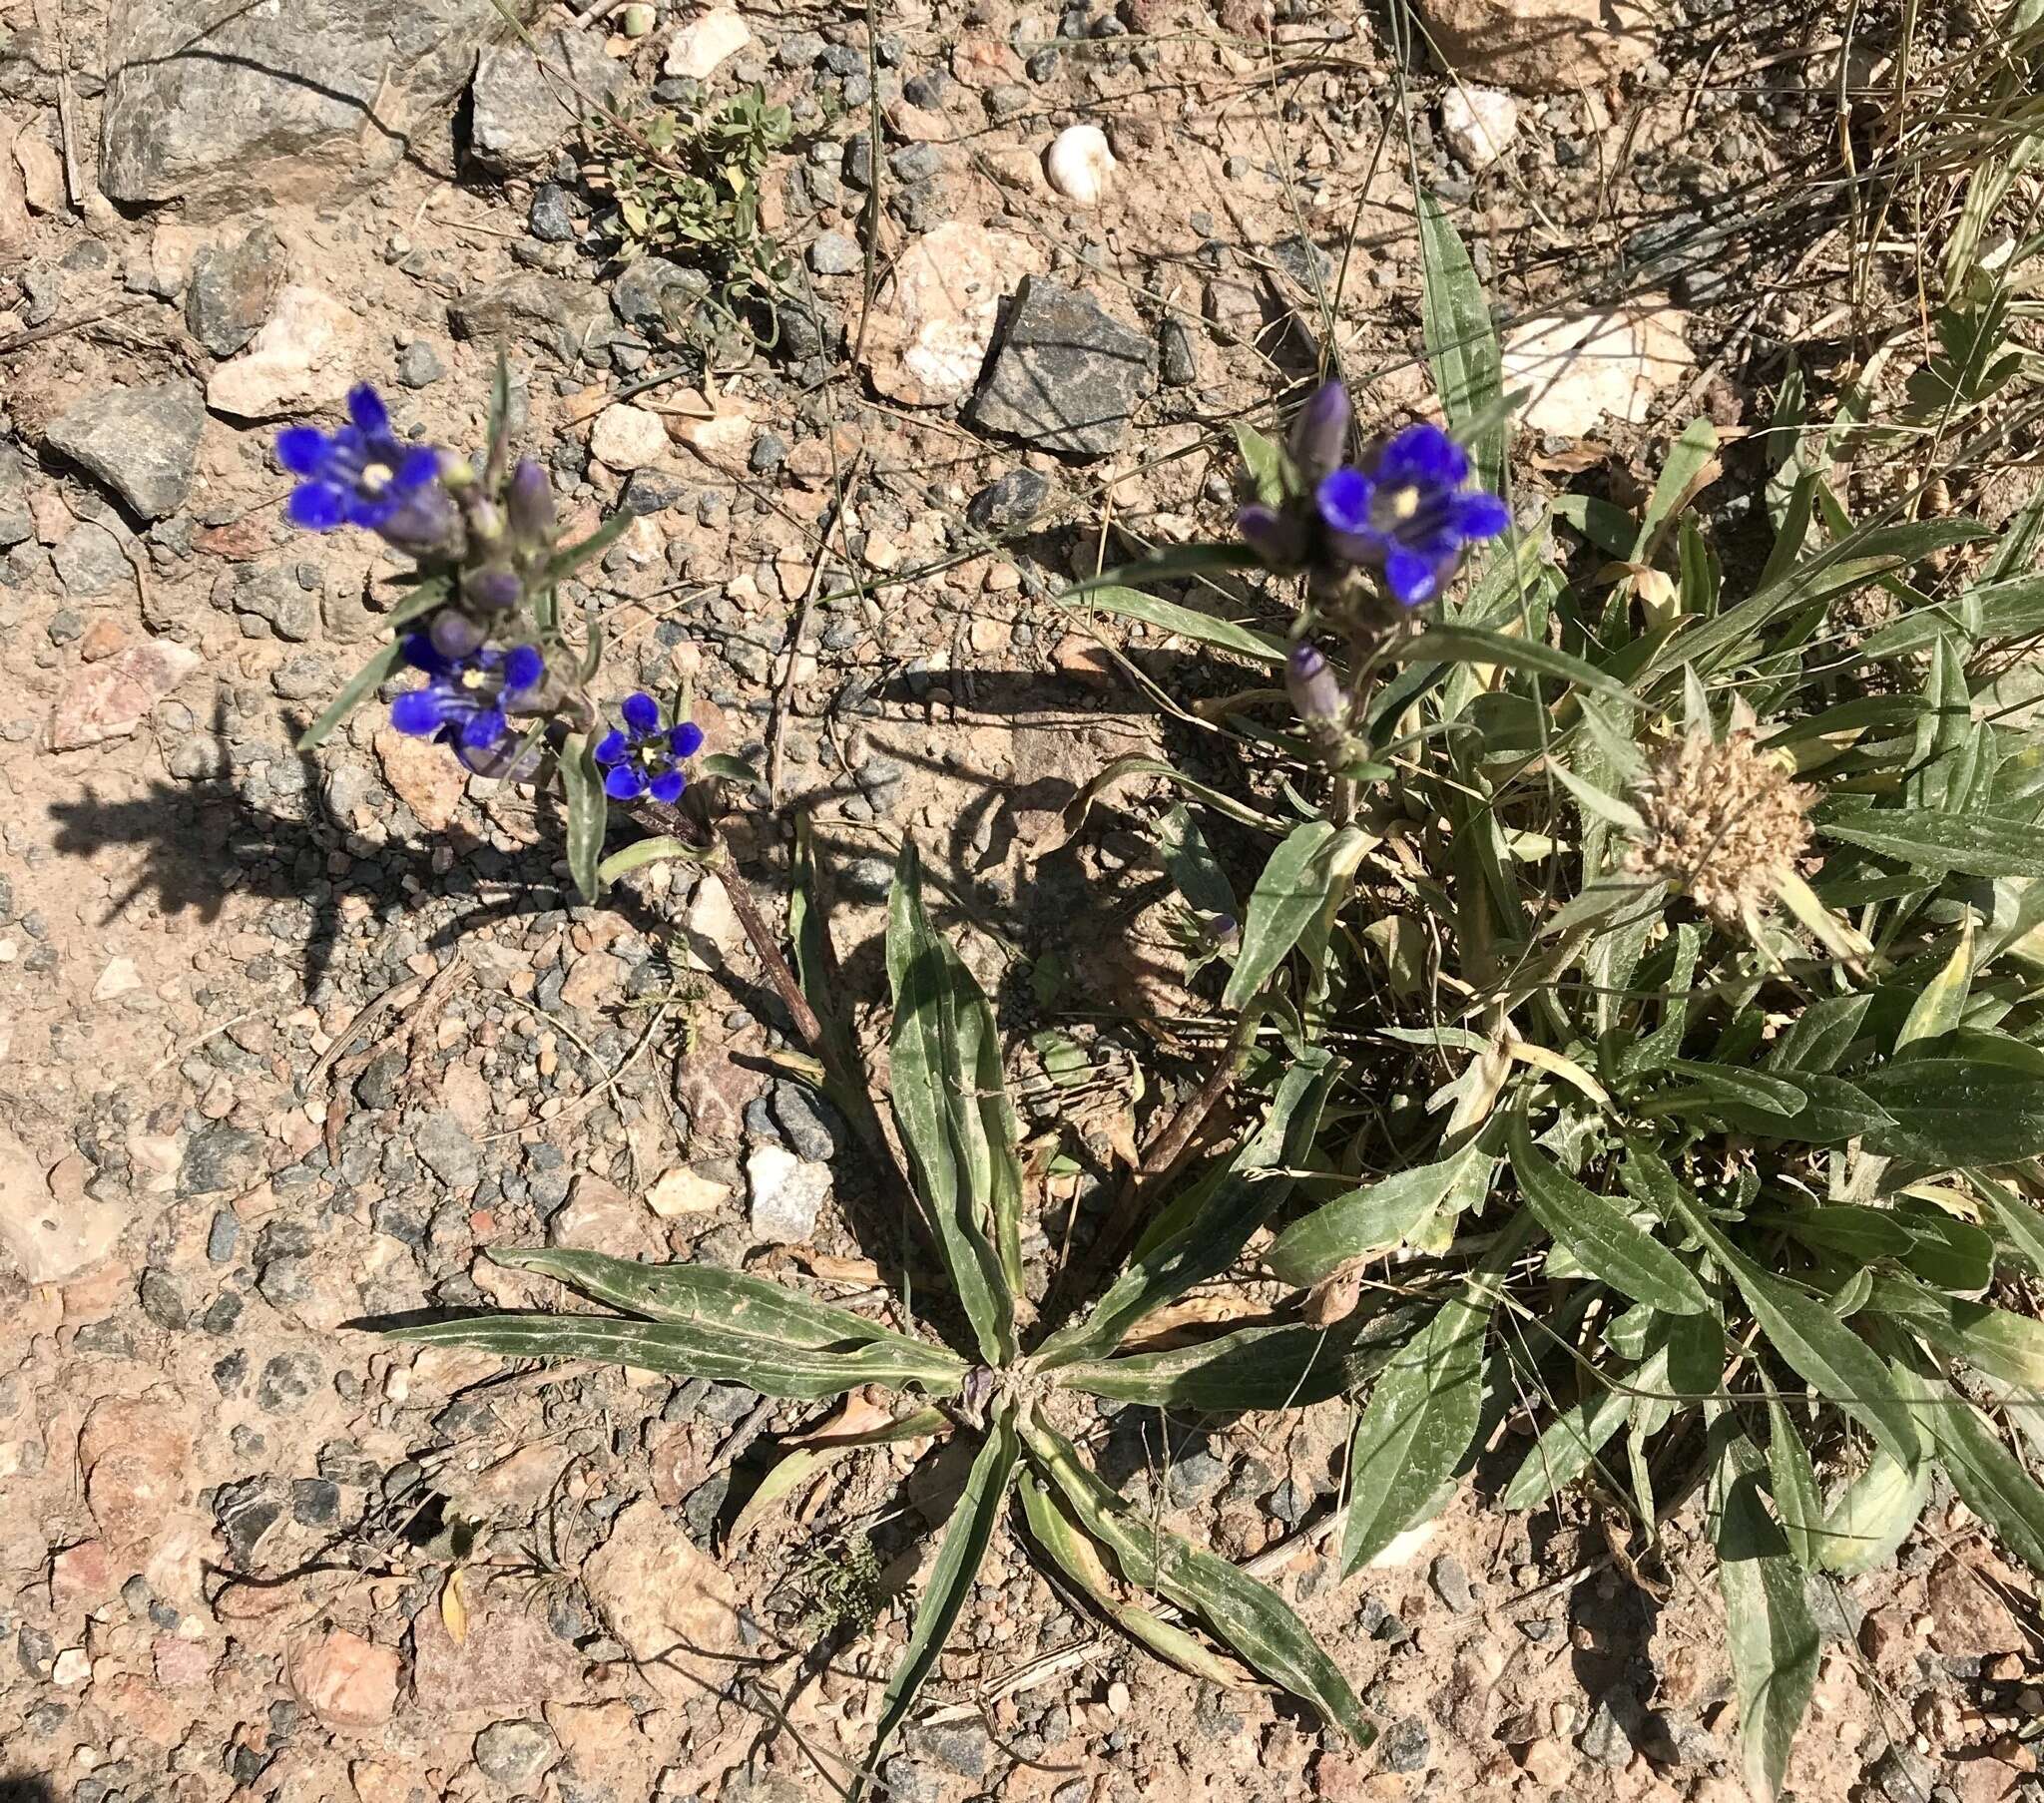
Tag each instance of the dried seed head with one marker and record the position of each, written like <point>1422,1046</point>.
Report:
<point>1724,823</point>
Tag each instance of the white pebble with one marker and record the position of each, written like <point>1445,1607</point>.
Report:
<point>1078,164</point>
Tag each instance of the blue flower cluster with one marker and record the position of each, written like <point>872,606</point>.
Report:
<point>1407,514</point>
<point>645,758</point>
<point>364,475</point>
<point>466,700</point>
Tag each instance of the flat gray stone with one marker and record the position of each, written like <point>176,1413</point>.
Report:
<point>520,112</point>
<point>571,315</point>
<point>232,289</point>
<point>142,442</point>
<point>1067,375</point>
<point>217,99</point>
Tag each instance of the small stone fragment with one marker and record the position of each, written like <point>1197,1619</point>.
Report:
<point>143,442</point>
<point>788,1193</point>
<point>347,1681</point>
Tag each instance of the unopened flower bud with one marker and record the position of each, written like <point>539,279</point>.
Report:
<point>530,501</point>
<point>1316,694</point>
<point>485,518</point>
<point>493,587</point>
<point>455,635</point>
<point>1277,537</point>
<point>1319,435</point>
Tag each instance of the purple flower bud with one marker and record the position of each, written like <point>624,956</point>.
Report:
<point>455,635</point>
<point>1316,694</point>
<point>494,589</point>
<point>529,499</point>
<point>1319,435</point>
<point>1275,536</point>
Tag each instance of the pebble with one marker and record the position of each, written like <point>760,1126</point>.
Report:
<point>1009,502</point>
<point>515,1753</point>
<point>786,1194</point>
<point>419,365</point>
<point>1451,1583</point>
<point>835,254</point>
<point>1407,1745</point>
<point>627,437</point>
<point>143,442</point>
<point>1067,375</point>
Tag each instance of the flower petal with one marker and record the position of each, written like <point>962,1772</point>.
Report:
<point>611,748</point>
<point>624,783</point>
<point>1409,577</point>
<point>1480,515</point>
<point>418,467</point>
<point>666,787</point>
<point>484,728</point>
<point>642,713</point>
<point>686,739</point>
<point>523,667</point>
<point>420,711</point>
<point>365,407</point>
<point>302,449</point>
<point>1343,498</point>
<point>422,653</point>
<point>317,506</point>
<point>1423,453</point>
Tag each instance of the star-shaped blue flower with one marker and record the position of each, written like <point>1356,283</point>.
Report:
<point>1410,515</point>
<point>645,758</point>
<point>465,699</point>
<point>364,475</point>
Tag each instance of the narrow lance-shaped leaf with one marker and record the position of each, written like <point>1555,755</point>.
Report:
<point>1769,1630</point>
<point>1254,1621</point>
<point>1185,622</point>
<point>1820,1348</point>
<point>966,1539</point>
<point>1079,1558</point>
<point>1794,1483</point>
<point>804,1462</point>
<point>1202,1230</point>
<point>582,785</point>
<point>1973,844</point>
<point>371,675</point>
<point>951,1104</point>
<point>1600,1235</point>
<point>1379,1215</point>
<point>1462,343</point>
<point>1277,1366</point>
<point>1956,1111</point>
<point>1296,885</point>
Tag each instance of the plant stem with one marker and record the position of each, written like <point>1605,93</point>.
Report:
<point>768,950</point>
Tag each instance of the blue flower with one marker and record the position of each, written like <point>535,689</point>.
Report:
<point>364,475</point>
<point>1410,514</point>
<point>465,698</point>
<point>645,758</point>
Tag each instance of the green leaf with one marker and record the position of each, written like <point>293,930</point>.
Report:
<point>1987,1476</point>
<point>1818,1037</point>
<point>1193,866</point>
<point>803,1462</point>
<point>1972,844</point>
<point>1421,1421</point>
<point>1855,1233</point>
<point>1379,1215</point>
<point>1948,1253</point>
<point>423,597</point>
<point>2018,1216</point>
<point>1254,1621</point>
<point>371,676</point>
<point>588,808</point>
<point>1187,622</point>
<point>1774,1096</point>
<point>1078,1557</point>
<point>1769,1632</point>
<point>1793,1479</point>
<point>731,768</point>
<point>1263,461</point>
<point>654,850</point>
<point>1820,1348</point>
<point>1203,1231</point>
<point>1476,645</point>
<point>1600,1235</point>
<point>1677,484</point>
<point>1139,764</point>
<point>564,564</point>
<point>1462,343</point>
<point>1302,875</point>
<point>1873,1516</point>
<point>1271,1367</point>
<point>497,426</point>
<point>950,1101</point>
<point>966,1539</point>
<point>1569,1445</point>
<point>1998,1341</point>
<point>1956,1111</point>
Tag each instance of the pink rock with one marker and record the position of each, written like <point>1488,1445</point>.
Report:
<point>112,698</point>
<point>137,1456</point>
<point>347,1681</point>
<point>82,1573</point>
<point>425,777</point>
<point>182,1665</point>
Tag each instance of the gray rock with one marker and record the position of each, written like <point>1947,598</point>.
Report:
<point>160,1299</point>
<point>515,1753</point>
<point>90,561</point>
<point>788,1194</point>
<point>550,219</point>
<point>444,1148</point>
<point>419,365</point>
<point>1067,375</point>
<point>222,1236</point>
<point>315,1501</point>
<point>1451,1583</point>
<point>1009,502</point>
<point>807,1123</point>
<point>1181,367</point>
<point>232,289</point>
<point>220,1159</point>
<point>288,1377</point>
<point>1604,1740</point>
<point>520,112</point>
<point>960,1745</point>
<point>1904,1775</point>
<point>769,452</point>
<point>272,594</point>
<point>216,99</point>
<point>14,522</point>
<point>142,442</point>
<point>1407,1746</point>
<point>569,315</point>
<point>835,254</point>
<point>651,292</point>
<point>244,1513</point>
